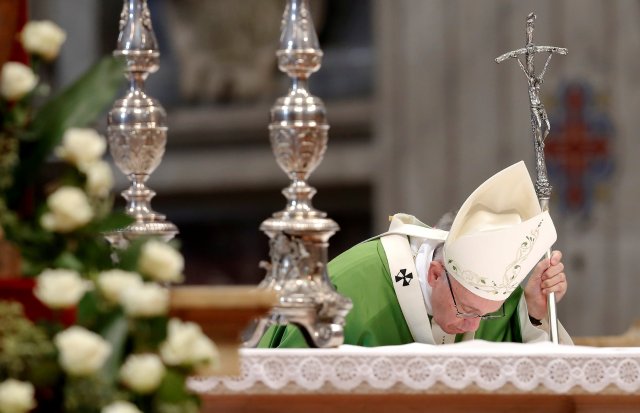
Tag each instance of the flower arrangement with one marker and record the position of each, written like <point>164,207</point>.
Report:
<point>119,352</point>
<point>123,354</point>
<point>50,221</point>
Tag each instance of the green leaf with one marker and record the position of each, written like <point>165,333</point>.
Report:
<point>115,332</point>
<point>88,310</point>
<point>77,106</point>
<point>173,389</point>
<point>148,333</point>
<point>43,372</point>
<point>114,221</point>
<point>69,261</point>
<point>86,394</point>
<point>94,252</point>
<point>128,258</point>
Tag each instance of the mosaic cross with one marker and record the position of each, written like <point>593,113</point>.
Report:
<point>579,154</point>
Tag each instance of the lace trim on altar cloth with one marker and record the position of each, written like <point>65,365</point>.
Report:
<point>419,368</point>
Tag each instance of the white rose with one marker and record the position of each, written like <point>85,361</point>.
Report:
<point>120,407</point>
<point>187,346</point>
<point>60,288</point>
<point>161,262</point>
<point>142,373</point>
<point>148,300</point>
<point>113,283</point>
<point>16,80</point>
<point>99,179</point>
<point>69,209</point>
<point>81,352</point>
<point>42,38</point>
<point>16,396</point>
<point>81,147</point>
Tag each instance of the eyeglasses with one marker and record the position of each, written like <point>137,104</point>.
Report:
<point>490,316</point>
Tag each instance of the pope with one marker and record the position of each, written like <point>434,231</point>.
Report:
<point>456,282</point>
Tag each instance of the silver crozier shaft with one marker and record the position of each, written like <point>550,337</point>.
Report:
<point>552,315</point>
<point>540,128</point>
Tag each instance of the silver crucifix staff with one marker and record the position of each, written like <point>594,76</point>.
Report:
<point>540,128</point>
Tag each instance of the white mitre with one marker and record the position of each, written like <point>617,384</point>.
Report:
<point>499,235</point>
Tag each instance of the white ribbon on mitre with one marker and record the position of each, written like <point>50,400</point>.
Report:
<point>499,235</point>
<point>405,224</point>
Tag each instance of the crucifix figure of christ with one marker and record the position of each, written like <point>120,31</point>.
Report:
<point>539,120</point>
<point>540,128</point>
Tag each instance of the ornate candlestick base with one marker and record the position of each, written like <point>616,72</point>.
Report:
<point>298,243</point>
<point>297,272</point>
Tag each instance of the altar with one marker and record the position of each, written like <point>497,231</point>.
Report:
<point>474,376</point>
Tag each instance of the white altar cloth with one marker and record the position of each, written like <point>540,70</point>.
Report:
<point>419,368</point>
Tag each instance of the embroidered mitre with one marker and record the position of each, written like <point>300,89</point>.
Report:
<point>498,235</point>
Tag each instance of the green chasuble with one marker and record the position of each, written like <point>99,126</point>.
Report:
<point>362,274</point>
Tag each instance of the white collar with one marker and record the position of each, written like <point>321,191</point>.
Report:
<point>423,258</point>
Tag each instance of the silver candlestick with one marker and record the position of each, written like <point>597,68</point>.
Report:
<point>540,128</point>
<point>137,125</point>
<point>299,234</point>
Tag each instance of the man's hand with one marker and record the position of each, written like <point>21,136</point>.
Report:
<point>545,278</point>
